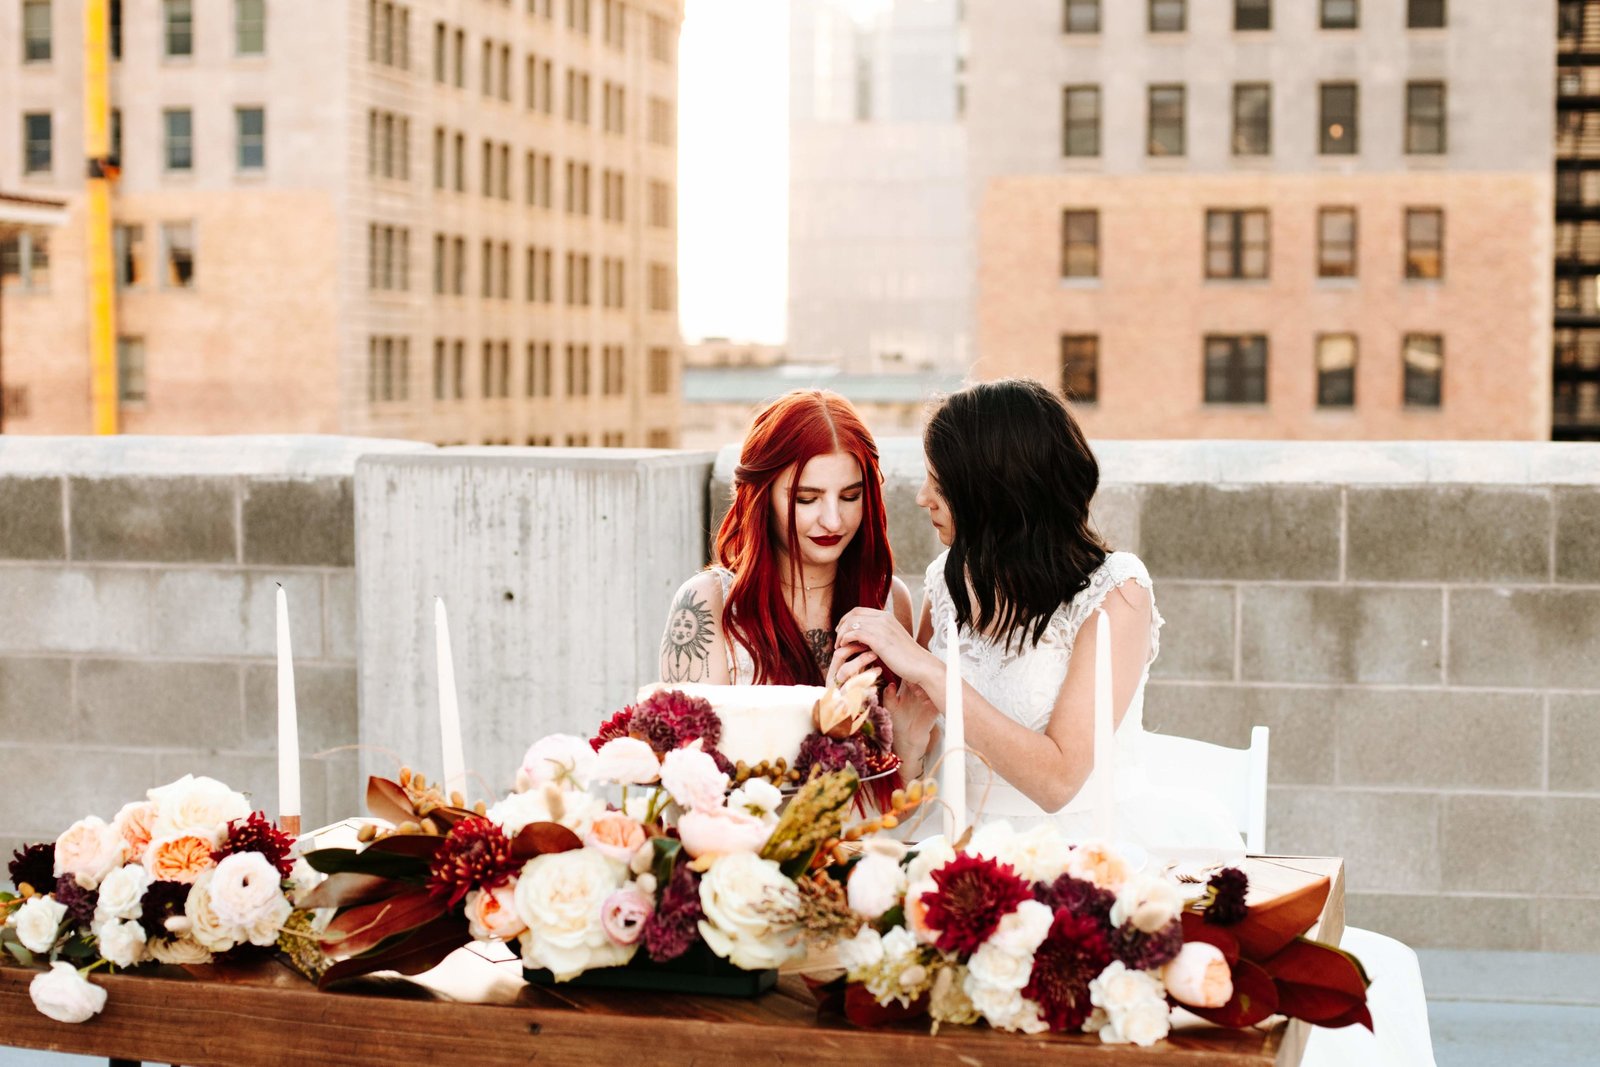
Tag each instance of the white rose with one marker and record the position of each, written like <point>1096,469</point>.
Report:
<point>200,804</point>
<point>1148,903</point>
<point>692,777</point>
<point>204,926</point>
<point>1143,1024</point>
<point>558,897</point>
<point>564,759</point>
<point>739,895</point>
<point>1004,1009</point>
<point>757,797</point>
<point>121,893</point>
<point>38,922</point>
<point>899,943</point>
<point>575,810</point>
<point>875,885</point>
<point>637,807</point>
<point>626,761</point>
<point>1022,931</point>
<point>245,890</point>
<point>861,952</point>
<point>65,995</point>
<point>1038,855</point>
<point>121,942</point>
<point>1135,1004</point>
<point>179,950</point>
<point>994,966</point>
<point>928,856</point>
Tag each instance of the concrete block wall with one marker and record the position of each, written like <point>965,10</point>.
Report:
<point>137,620</point>
<point>1419,626</point>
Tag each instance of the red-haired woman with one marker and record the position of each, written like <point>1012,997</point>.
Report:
<point>804,542</point>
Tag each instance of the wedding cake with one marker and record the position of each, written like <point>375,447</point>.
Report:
<point>760,723</point>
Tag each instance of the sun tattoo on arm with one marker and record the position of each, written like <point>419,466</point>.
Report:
<point>686,646</point>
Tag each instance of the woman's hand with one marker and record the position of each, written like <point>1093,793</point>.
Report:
<point>914,718</point>
<point>868,635</point>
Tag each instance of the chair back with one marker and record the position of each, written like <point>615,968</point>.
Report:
<point>1237,777</point>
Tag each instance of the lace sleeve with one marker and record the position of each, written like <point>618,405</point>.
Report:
<point>1118,568</point>
<point>938,597</point>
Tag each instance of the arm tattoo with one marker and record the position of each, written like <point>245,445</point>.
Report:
<point>821,644</point>
<point>686,646</point>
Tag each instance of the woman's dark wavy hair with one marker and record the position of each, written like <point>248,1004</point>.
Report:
<point>1017,473</point>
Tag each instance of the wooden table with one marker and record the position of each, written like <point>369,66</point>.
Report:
<point>471,1011</point>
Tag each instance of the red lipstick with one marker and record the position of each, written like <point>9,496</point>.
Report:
<point>828,542</point>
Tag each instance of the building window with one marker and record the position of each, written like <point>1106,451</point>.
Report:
<point>1424,370</point>
<point>36,35</point>
<point>1252,14</point>
<point>116,134</point>
<point>1341,14</point>
<point>1236,369</point>
<point>1252,120</point>
<point>1425,14</point>
<point>1167,16</point>
<point>1339,131</point>
<point>1165,121</point>
<point>1424,242</point>
<point>662,297</point>
<point>1081,16</point>
<point>179,149</point>
<point>38,142</point>
<point>129,246</point>
<point>1236,244</point>
<point>251,123</point>
<point>660,371</point>
<point>1080,244</point>
<point>441,47</point>
<point>459,60</point>
<point>177,254</point>
<point>250,27</point>
<point>179,20</point>
<point>1080,367</point>
<point>25,262</point>
<point>1336,242</point>
<point>114,18</point>
<point>1425,118</point>
<point>130,370</point>
<point>1081,117</point>
<point>1336,370</point>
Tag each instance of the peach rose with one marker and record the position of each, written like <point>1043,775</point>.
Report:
<point>133,823</point>
<point>88,851</point>
<point>1199,976</point>
<point>492,913</point>
<point>180,857</point>
<point>616,835</point>
<point>1097,862</point>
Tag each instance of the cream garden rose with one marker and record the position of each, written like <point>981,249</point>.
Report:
<point>875,885</point>
<point>122,943</point>
<point>564,759</point>
<point>1037,855</point>
<point>1147,903</point>
<point>559,898</point>
<point>742,895</point>
<point>195,803</point>
<point>573,809</point>
<point>626,761</point>
<point>246,895</point>
<point>1135,1005</point>
<point>121,893</point>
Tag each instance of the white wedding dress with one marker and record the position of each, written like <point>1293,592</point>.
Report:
<point>1024,683</point>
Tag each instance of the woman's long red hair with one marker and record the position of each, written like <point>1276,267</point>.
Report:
<point>787,434</point>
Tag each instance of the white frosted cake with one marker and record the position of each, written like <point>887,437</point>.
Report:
<point>760,723</point>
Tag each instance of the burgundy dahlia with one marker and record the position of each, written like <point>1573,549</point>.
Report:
<point>1072,955</point>
<point>34,865</point>
<point>162,901</point>
<point>1145,952</point>
<point>675,924</point>
<point>670,719</point>
<point>820,750</point>
<point>974,893</point>
<point>1227,904</point>
<point>1079,896</point>
<point>613,728</point>
<point>257,834</point>
<point>79,902</point>
<point>475,854</point>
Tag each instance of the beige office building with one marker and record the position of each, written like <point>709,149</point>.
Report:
<point>451,220</point>
<point>1265,218</point>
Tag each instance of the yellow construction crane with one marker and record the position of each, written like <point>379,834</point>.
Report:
<point>102,172</point>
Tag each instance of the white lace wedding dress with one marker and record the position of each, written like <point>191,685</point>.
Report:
<point>1024,683</point>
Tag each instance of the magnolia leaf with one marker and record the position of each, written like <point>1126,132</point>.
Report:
<point>412,953</point>
<point>667,851</point>
<point>422,846</point>
<point>538,838</point>
<point>379,863</point>
<point>1358,1014</point>
<point>1314,1003</point>
<point>1195,928</point>
<point>1271,925</point>
<point>360,928</point>
<point>1254,998</point>
<point>348,888</point>
<point>1313,963</point>
<point>388,800</point>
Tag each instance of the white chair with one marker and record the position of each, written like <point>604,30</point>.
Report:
<point>1237,777</point>
<point>1400,1036</point>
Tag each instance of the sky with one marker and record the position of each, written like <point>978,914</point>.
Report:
<point>733,169</point>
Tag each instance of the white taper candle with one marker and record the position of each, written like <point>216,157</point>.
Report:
<point>455,764</point>
<point>288,720</point>
<point>1104,732</point>
<point>953,784</point>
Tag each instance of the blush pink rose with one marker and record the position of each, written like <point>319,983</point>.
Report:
<point>88,851</point>
<point>623,914</point>
<point>492,913</point>
<point>616,835</point>
<point>721,832</point>
<point>133,823</point>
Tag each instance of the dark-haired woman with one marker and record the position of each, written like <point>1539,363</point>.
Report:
<point>1009,481</point>
<point>804,542</point>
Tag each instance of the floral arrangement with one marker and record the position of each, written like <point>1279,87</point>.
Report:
<point>1030,933</point>
<point>185,876</point>
<point>682,863</point>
